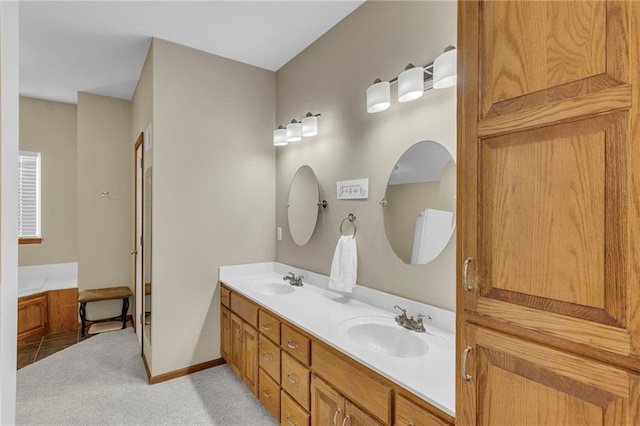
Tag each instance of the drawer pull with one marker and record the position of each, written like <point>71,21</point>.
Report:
<point>267,356</point>
<point>466,377</point>
<point>266,394</point>
<point>335,417</point>
<point>292,379</point>
<point>266,327</point>
<point>292,345</point>
<point>346,419</point>
<point>290,423</point>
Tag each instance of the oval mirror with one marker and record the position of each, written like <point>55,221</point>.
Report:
<point>419,203</point>
<point>303,205</point>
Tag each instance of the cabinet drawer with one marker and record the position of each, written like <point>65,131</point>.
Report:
<point>269,394</point>
<point>270,358</point>
<point>245,309</point>
<point>408,413</point>
<point>269,326</point>
<point>296,344</point>
<point>295,380</point>
<point>224,296</point>
<point>353,382</point>
<point>291,414</point>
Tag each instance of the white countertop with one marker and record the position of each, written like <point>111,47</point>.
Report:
<point>319,312</point>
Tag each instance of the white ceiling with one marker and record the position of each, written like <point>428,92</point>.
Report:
<point>100,46</point>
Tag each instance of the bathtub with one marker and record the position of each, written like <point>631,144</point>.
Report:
<point>41,278</point>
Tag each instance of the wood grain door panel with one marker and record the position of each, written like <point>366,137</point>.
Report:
<point>519,382</point>
<point>548,193</point>
<point>540,53</point>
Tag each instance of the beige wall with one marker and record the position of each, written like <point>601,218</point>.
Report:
<point>50,128</point>
<point>213,192</point>
<point>331,77</point>
<point>105,163</point>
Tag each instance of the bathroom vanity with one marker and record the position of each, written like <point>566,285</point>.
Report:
<point>316,357</point>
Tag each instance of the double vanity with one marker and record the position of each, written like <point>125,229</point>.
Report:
<point>314,356</point>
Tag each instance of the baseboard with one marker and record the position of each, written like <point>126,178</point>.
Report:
<point>183,371</point>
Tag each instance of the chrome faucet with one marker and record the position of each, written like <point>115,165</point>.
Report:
<point>293,280</point>
<point>408,322</point>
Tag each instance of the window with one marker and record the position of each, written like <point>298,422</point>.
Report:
<point>29,197</point>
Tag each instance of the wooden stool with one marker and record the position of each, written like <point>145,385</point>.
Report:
<point>100,294</point>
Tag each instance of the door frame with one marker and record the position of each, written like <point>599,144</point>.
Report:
<point>137,251</point>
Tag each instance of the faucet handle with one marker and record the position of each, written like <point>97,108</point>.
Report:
<point>404,311</point>
<point>420,316</point>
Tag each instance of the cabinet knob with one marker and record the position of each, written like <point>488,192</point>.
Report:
<point>292,345</point>
<point>266,394</point>
<point>266,327</point>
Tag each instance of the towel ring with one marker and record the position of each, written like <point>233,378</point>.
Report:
<point>351,218</point>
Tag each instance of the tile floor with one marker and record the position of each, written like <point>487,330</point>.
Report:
<point>49,344</point>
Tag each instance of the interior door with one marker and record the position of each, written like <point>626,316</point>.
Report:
<point>550,188</point>
<point>137,243</point>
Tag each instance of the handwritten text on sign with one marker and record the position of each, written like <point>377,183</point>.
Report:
<point>353,189</point>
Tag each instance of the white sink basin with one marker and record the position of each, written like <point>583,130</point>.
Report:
<point>274,288</point>
<point>383,335</point>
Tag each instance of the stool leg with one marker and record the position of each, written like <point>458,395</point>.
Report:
<point>83,316</point>
<point>125,308</point>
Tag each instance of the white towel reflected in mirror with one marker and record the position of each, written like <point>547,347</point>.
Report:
<point>432,233</point>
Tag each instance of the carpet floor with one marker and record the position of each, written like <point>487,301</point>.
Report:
<point>102,381</point>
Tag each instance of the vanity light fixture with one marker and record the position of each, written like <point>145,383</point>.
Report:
<point>378,96</point>
<point>310,125</point>
<point>413,81</point>
<point>280,136</point>
<point>296,130</point>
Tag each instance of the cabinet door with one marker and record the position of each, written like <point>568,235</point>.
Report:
<point>237,347</point>
<point>327,406</point>
<point>354,416</point>
<point>250,341</point>
<point>550,191</point>
<point>516,382</point>
<point>225,333</point>
<point>32,316</point>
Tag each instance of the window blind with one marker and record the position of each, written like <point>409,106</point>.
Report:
<point>29,194</point>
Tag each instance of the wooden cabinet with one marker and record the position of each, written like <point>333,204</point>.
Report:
<point>548,220</point>
<point>295,380</point>
<point>237,348</point>
<point>244,352</point>
<point>353,381</point>
<point>225,334</point>
<point>515,381</point>
<point>250,353</point>
<point>32,317</point>
<point>328,407</point>
<point>296,344</point>
<point>276,360</point>
<point>269,326</point>
<point>269,358</point>
<point>291,414</point>
<point>269,393</point>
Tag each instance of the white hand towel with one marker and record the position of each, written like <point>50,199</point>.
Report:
<point>344,267</point>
